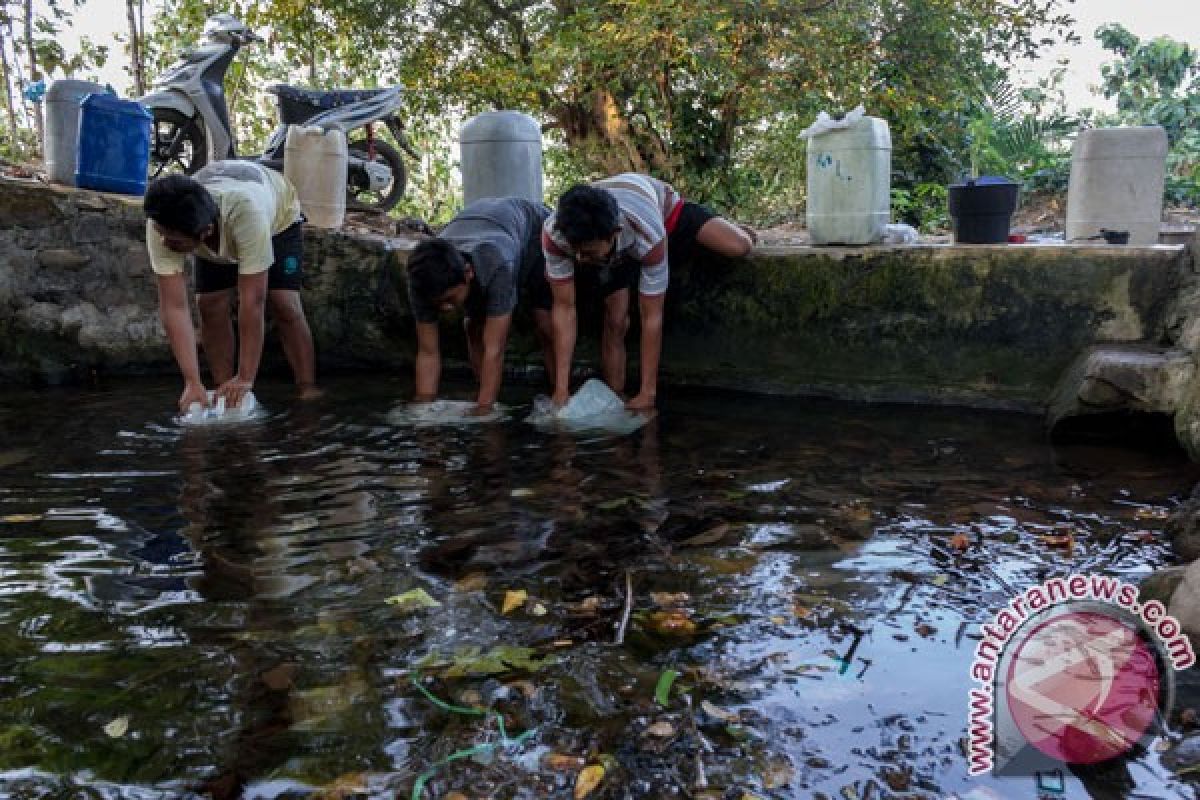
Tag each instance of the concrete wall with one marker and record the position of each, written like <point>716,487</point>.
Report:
<point>979,325</point>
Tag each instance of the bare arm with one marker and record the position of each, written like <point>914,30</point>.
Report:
<point>563,324</point>
<point>176,318</point>
<point>651,308</point>
<point>429,362</point>
<point>252,300</point>
<point>491,368</point>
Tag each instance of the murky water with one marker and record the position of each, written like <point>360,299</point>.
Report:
<point>234,613</point>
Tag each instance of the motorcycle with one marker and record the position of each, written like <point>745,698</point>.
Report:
<point>191,119</point>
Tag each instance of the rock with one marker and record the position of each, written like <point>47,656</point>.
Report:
<point>41,317</point>
<point>89,229</point>
<point>1123,378</point>
<point>1185,602</point>
<point>1183,527</point>
<point>62,258</point>
<point>28,206</point>
<point>88,201</point>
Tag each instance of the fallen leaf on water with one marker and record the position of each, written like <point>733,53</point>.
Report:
<point>1145,537</point>
<point>1063,540</point>
<point>456,796</point>
<point>959,542</point>
<point>779,620</point>
<point>561,762</point>
<point>413,600</point>
<point>538,610</point>
<point>925,630</point>
<point>523,493</point>
<point>118,727</point>
<point>345,787</point>
<point>662,691</point>
<point>661,729</point>
<point>777,773</point>
<point>672,623</point>
<point>720,713</point>
<point>589,605</point>
<point>472,582</point>
<point>279,678</point>
<point>587,781</point>
<point>801,611</point>
<point>670,599</point>
<point>1151,513</point>
<point>513,599</point>
<point>711,536</point>
<point>941,579</point>
<point>21,518</point>
<point>898,779</point>
<point>526,688</point>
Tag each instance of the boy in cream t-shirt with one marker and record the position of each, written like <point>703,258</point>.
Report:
<point>242,223</point>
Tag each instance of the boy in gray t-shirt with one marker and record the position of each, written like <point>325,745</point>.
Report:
<point>480,262</point>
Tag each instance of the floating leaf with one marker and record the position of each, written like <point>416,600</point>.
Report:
<point>498,660</point>
<point>523,493</point>
<point>513,599</point>
<point>662,729</point>
<point>941,579</point>
<point>21,518</point>
<point>589,605</point>
<point>118,727</point>
<point>560,762</point>
<point>413,600</point>
<point>720,713</point>
<point>662,692</point>
<point>538,610</point>
<point>472,582</point>
<point>672,623</point>
<point>587,781</point>
<point>959,542</point>
<point>710,536</point>
<point>279,678</point>
<point>670,599</point>
<point>777,773</point>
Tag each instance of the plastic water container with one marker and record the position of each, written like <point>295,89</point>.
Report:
<point>114,145</point>
<point>1117,180</point>
<point>850,183</point>
<point>982,209</point>
<point>501,156</point>
<point>62,127</point>
<point>314,160</point>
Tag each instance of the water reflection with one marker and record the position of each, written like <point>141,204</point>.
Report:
<point>227,591</point>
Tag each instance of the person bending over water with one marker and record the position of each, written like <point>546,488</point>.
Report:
<point>622,227</point>
<point>480,263</point>
<point>242,222</point>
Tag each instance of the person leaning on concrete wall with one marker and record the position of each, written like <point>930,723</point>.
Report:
<point>628,228</point>
<point>481,262</point>
<point>243,225</point>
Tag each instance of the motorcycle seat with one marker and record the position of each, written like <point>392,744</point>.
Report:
<point>323,99</point>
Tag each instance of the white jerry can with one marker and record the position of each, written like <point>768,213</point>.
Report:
<point>1117,180</point>
<point>315,161</point>
<point>850,183</point>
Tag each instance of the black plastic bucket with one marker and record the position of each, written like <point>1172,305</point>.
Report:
<point>982,209</point>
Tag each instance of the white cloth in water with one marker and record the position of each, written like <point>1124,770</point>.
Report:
<point>440,412</point>
<point>217,414</point>
<point>595,407</point>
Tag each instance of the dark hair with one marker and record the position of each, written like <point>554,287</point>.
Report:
<point>587,213</point>
<point>179,203</point>
<point>434,266</point>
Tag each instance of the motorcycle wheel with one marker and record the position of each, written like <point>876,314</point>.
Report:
<point>359,196</point>
<point>191,151</point>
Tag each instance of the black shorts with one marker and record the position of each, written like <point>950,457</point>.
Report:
<point>625,274</point>
<point>286,273</point>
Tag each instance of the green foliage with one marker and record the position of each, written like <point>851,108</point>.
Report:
<point>923,206</point>
<point>1157,82</point>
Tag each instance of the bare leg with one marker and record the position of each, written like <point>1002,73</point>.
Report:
<point>725,238</point>
<point>545,337</point>
<point>216,333</point>
<point>612,340</point>
<point>296,338</point>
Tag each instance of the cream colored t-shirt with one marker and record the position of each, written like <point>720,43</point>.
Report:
<point>254,203</point>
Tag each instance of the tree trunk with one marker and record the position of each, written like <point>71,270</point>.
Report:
<point>34,77</point>
<point>135,47</point>
<point>14,129</point>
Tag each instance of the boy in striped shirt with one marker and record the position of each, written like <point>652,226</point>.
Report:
<point>628,228</point>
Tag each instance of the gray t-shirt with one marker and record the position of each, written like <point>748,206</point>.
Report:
<point>501,237</point>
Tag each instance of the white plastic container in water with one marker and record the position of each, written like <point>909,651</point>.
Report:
<point>501,156</point>
<point>62,127</point>
<point>1117,179</point>
<point>850,183</point>
<point>314,160</point>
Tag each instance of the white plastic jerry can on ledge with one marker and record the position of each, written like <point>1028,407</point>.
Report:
<point>850,183</point>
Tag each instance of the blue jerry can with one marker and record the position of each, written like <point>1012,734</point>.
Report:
<point>114,145</point>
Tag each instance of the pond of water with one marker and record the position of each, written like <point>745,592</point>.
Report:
<point>326,602</point>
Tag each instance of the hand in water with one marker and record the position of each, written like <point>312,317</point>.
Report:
<point>643,402</point>
<point>193,393</point>
<point>233,390</point>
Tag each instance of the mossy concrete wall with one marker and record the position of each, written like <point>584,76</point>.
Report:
<point>987,326</point>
